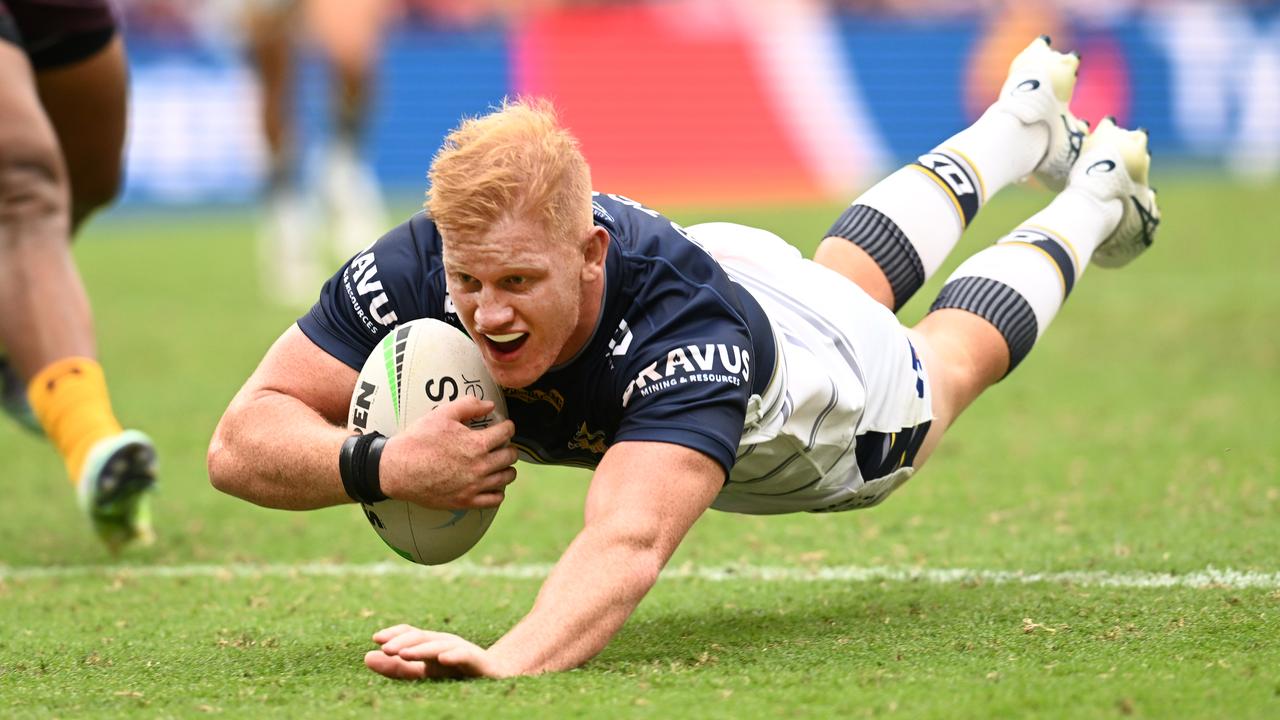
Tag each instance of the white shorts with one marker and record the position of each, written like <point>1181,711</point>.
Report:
<point>846,374</point>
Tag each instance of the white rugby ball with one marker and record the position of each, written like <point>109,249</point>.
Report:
<point>417,367</point>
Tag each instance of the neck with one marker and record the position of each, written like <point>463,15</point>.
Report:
<point>588,319</point>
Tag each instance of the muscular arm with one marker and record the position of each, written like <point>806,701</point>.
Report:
<point>643,499</point>
<point>278,442</point>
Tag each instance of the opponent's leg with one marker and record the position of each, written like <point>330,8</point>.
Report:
<point>1000,301</point>
<point>44,303</point>
<point>349,35</point>
<point>288,257</point>
<point>46,324</point>
<point>270,29</point>
<point>86,103</point>
<point>84,100</point>
<point>897,234</point>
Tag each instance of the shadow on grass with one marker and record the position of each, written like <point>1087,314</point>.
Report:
<point>845,621</point>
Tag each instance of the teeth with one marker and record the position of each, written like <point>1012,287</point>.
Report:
<point>505,338</point>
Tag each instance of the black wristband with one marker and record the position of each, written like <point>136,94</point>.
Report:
<point>358,465</point>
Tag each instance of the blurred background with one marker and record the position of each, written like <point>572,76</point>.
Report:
<point>1140,437</point>
<point>689,101</point>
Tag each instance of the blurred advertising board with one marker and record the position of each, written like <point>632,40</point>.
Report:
<point>725,101</point>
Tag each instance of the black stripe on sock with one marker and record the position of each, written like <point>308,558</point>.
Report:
<point>999,305</point>
<point>885,242</point>
<point>955,176</point>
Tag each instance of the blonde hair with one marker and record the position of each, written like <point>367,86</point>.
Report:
<point>515,162</point>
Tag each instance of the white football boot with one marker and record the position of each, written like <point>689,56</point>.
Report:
<point>115,487</point>
<point>354,199</point>
<point>288,252</point>
<point>1114,165</point>
<point>1038,90</point>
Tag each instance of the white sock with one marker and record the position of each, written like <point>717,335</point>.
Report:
<point>910,221</point>
<point>1020,283</point>
<point>1001,148</point>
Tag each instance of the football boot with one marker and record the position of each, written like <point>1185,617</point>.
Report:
<point>115,487</point>
<point>1038,90</point>
<point>1114,165</point>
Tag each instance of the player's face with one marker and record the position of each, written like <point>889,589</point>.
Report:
<point>528,300</point>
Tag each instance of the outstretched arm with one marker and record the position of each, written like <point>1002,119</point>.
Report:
<point>643,499</point>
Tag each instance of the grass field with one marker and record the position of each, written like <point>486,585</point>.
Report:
<point>1137,445</point>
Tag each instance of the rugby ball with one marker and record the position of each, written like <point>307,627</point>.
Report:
<point>417,367</point>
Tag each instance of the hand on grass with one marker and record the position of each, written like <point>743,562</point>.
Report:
<point>408,653</point>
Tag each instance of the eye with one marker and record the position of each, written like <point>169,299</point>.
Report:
<point>518,283</point>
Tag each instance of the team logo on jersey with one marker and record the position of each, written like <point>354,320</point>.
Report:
<point>365,290</point>
<point>621,341</point>
<point>592,442</point>
<point>552,397</point>
<point>711,362</point>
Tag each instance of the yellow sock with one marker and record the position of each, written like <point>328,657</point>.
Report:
<point>70,399</point>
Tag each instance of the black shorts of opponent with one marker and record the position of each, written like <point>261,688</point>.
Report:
<point>54,33</point>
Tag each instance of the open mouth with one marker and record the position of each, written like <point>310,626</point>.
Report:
<point>506,344</point>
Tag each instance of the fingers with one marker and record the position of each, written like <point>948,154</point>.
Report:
<point>448,656</point>
<point>410,637</point>
<point>466,657</point>
<point>487,500</point>
<point>494,489</point>
<point>497,463</point>
<point>468,660</point>
<point>387,633</point>
<point>394,667</point>
<point>410,653</point>
<point>431,649</point>
<point>507,456</point>
<point>498,435</point>
<point>466,408</point>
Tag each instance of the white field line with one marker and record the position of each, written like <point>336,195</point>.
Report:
<point>1208,578</point>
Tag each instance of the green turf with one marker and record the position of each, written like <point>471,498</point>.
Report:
<point>1138,437</point>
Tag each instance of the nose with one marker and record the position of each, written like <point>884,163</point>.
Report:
<point>493,312</point>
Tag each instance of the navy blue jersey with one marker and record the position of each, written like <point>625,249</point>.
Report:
<point>678,351</point>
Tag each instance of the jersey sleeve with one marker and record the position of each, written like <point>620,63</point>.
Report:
<point>689,385</point>
<point>388,283</point>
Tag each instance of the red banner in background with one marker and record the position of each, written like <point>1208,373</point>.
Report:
<point>664,116</point>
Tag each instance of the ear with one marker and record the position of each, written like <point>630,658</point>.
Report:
<point>594,251</point>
